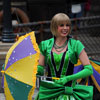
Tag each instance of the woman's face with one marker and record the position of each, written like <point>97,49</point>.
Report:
<point>63,30</point>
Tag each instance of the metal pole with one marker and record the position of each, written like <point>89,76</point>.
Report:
<point>7,34</point>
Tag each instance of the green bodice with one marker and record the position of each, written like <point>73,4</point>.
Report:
<point>58,64</point>
<point>74,49</point>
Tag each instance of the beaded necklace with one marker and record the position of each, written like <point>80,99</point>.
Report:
<point>60,47</point>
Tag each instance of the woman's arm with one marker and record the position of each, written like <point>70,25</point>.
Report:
<point>84,58</point>
<point>40,70</point>
<point>42,60</point>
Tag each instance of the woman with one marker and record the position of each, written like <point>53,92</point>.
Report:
<point>59,54</point>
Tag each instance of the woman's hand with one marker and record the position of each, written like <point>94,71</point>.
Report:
<point>63,80</point>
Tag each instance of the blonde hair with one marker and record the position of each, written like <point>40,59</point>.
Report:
<point>58,19</point>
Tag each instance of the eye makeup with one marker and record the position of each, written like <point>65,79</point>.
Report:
<point>61,25</point>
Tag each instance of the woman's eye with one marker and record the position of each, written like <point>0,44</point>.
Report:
<point>67,25</point>
<point>64,25</point>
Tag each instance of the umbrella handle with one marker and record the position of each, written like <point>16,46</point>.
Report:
<point>55,78</point>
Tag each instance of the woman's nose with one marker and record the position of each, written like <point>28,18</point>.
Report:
<point>65,26</point>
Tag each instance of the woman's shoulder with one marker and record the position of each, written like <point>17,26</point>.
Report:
<point>46,45</point>
<point>73,43</point>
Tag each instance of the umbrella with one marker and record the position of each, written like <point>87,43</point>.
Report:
<point>96,73</point>
<point>19,74</point>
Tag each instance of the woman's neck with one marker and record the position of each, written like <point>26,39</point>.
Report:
<point>60,40</point>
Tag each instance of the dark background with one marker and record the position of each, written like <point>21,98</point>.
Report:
<point>39,10</point>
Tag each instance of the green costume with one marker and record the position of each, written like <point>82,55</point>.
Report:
<point>62,65</point>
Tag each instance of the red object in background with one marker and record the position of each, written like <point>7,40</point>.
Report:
<point>88,5</point>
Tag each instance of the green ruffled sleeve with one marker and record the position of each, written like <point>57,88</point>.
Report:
<point>75,47</point>
<point>45,48</point>
<point>78,48</point>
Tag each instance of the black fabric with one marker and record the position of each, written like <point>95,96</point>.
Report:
<point>69,72</point>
